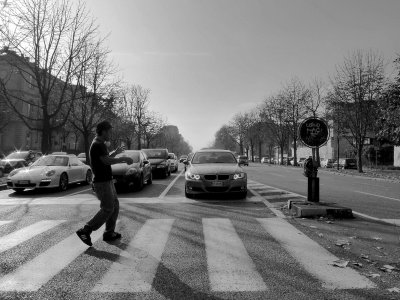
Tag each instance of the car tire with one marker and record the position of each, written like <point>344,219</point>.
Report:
<point>169,172</point>
<point>166,173</point>
<point>63,185</point>
<point>140,183</point>
<point>150,180</point>
<point>88,178</point>
<point>19,191</point>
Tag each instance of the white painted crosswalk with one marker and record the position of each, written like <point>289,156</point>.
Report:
<point>230,268</point>
<point>135,270</point>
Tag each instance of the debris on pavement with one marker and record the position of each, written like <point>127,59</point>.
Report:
<point>320,235</point>
<point>376,238</point>
<point>342,243</point>
<point>373,275</point>
<point>329,222</point>
<point>358,264</point>
<point>313,227</point>
<point>394,290</point>
<point>340,263</point>
<point>388,268</point>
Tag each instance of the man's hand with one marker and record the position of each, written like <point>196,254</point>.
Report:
<point>119,150</point>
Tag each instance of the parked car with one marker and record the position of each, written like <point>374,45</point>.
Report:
<point>135,175</point>
<point>17,159</point>
<point>265,160</point>
<point>327,163</point>
<point>82,157</point>
<point>346,163</point>
<point>215,171</point>
<point>243,160</point>
<point>183,158</point>
<point>301,161</point>
<point>173,161</point>
<point>160,164</point>
<point>50,171</point>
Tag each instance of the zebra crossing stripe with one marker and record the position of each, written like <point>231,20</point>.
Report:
<point>135,270</point>
<point>17,237</point>
<point>313,257</point>
<point>37,272</point>
<point>5,222</point>
<point>230,267</point>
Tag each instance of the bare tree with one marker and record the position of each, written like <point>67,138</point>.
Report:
<point>357,86</point>
<point>296,96</point>
<point>96,91</point>
<point>151,127</point>
<point>43,38</point>
<point>274,117</point>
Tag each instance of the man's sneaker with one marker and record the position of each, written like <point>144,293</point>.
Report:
<point>111,236</point>
<point>85,237</point>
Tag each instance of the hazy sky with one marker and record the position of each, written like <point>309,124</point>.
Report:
<point>205,60</point>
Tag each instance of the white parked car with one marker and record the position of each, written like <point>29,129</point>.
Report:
<point>174,163</point>
<point>51,171</point>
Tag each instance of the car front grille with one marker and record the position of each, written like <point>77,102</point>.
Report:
<point>25,185</point>
<point>217,177</point>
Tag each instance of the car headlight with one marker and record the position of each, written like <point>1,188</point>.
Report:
<point>131,171</point>
<point>239,176</point>
<point>50,173</point>
<point>13,172</point>
<point>191,176</point>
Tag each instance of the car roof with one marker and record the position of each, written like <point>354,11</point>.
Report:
<point>214,150</point>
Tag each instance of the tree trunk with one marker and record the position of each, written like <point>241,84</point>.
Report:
<point>359,158</point>
<point>46,136</point>
<point>294,152</point>
<point>282,149</point>
<point>139,140</point>
<point>252,151</point>
<point>259,149</point>
<point>128,144</point>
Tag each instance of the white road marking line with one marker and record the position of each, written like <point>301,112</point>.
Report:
<point>380,196</point>
<point>392,221</point>
<point>314,258</point>
<point>165,192</point>
<point>34,274</point>
<point>230,267</point>
<point>76,193</point>
<point>22,235</point>
<point>5,222</point>
<point>134,272</point>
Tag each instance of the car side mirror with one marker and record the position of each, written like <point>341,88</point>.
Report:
<point>145,162</point>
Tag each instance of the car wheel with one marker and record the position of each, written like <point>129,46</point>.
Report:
<point>19,191</point>
<point>169,172</point>
<point>140,183</point>
<point>150,180</point>
<point>166,173</point>
<point>88,179</point>
<point>63,185</point>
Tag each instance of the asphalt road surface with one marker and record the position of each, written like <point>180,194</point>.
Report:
<point>178,248</point>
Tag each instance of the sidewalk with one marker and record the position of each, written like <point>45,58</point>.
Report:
<point>391,175</point>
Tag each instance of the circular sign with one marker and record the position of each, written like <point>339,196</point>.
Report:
<point>314,132</point>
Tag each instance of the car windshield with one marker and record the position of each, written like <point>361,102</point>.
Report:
<point>154,153</point>
<point>214,158</point>
<point>132,154</point>
<point>82,155</point>
<point>17,155</point>
<point>52,160</point>
<point>242,157</point>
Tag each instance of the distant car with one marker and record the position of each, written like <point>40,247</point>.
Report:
<point>215,171</point>
<point>327,163</point>
<point>243,160</point>
<point>265,160</point>
<point>301,161</point>
<point>346,163</point>
<point>135,175</point>
<point>17,159</point>
<point>50,171</point>
<point>174,164</point>
<point>160,164</point>
<point>82,157</point>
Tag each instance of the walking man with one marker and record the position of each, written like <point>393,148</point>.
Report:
<point>101,161</point>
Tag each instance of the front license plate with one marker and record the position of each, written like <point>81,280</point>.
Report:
<point>216,183</point>
<point>23,182</point>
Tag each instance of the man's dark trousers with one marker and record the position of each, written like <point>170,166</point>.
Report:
<point>109,206</point>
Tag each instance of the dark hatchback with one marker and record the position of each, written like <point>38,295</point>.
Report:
<point>215,172</point>
<point>159,160</point>
<point>135,175</point>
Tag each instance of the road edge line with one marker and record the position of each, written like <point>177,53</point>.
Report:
<point>168,188</point>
